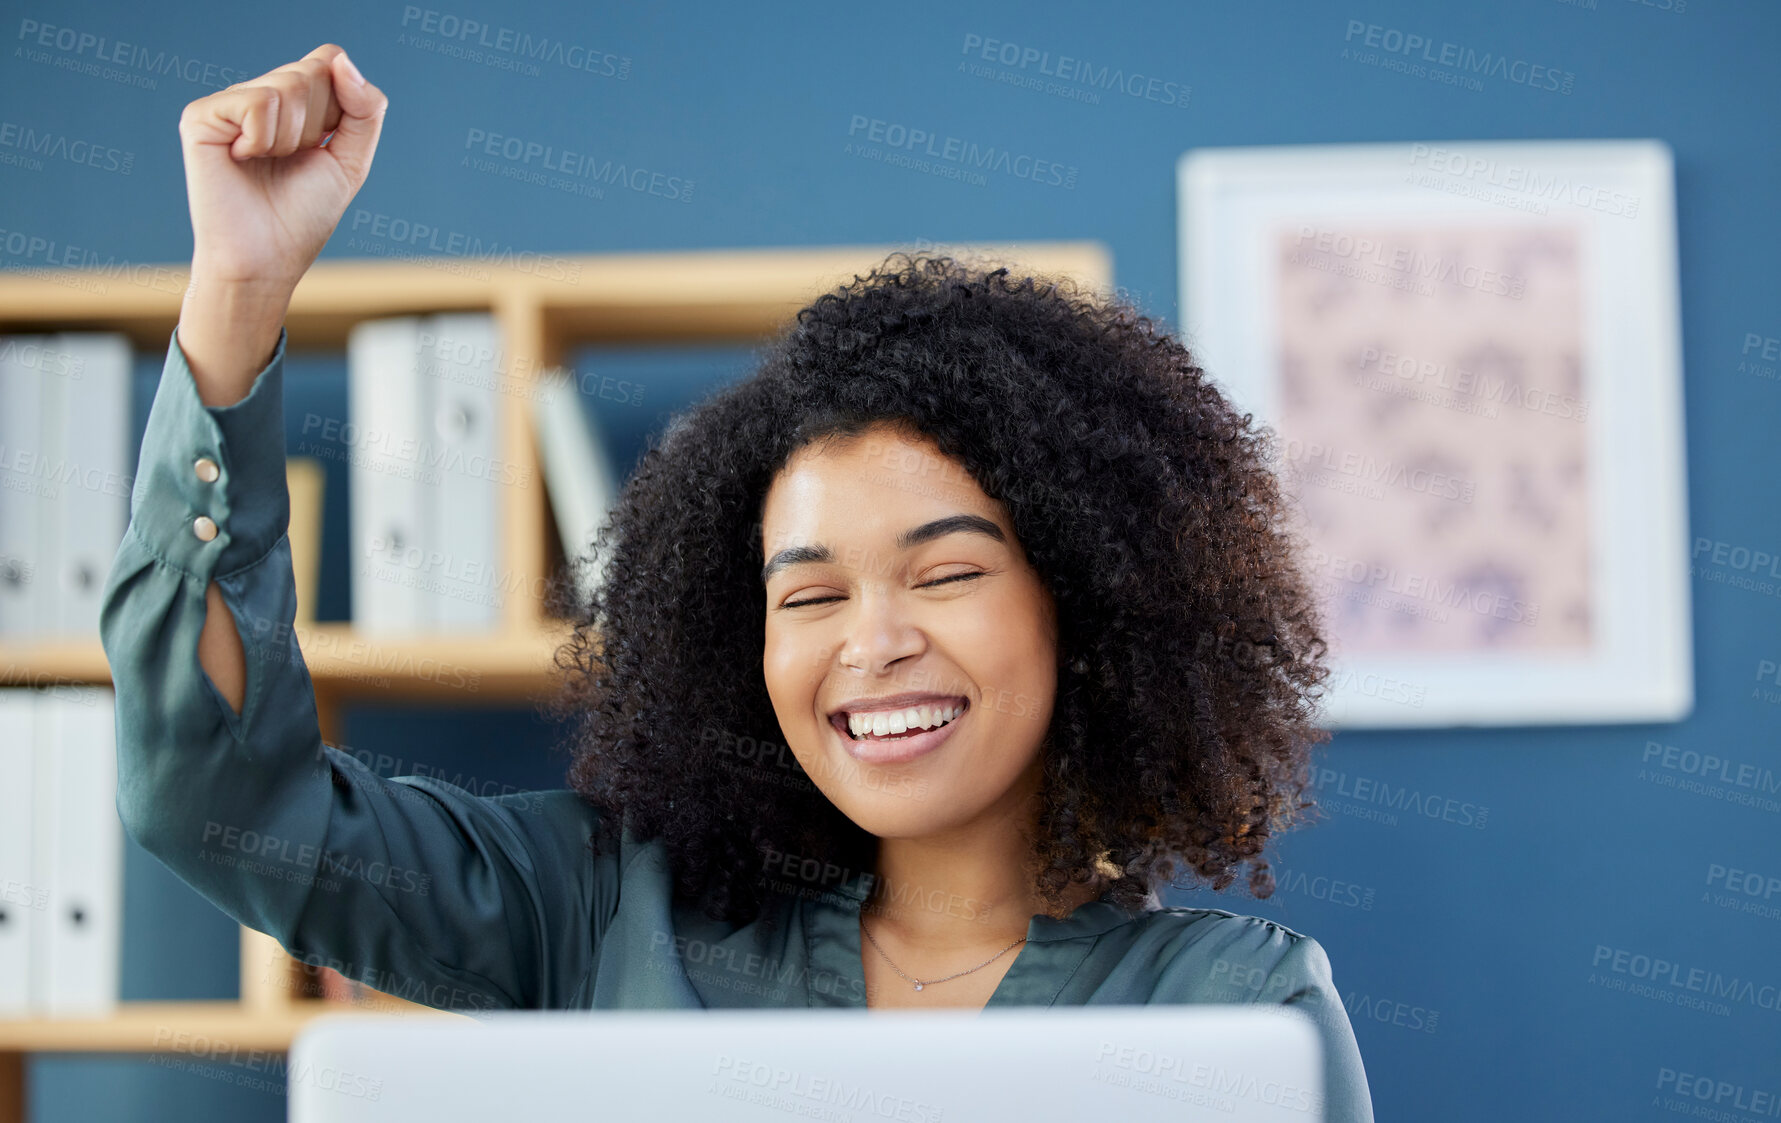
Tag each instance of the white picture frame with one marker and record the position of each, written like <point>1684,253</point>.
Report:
<point>1268,314</point>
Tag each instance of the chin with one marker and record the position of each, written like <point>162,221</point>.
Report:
<point>892,816</point>
<point>891,803</point>
<point>908,800</point>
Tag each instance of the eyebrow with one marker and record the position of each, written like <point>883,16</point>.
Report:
<point>914,536</point>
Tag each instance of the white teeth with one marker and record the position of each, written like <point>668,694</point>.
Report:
<point>901,721</point>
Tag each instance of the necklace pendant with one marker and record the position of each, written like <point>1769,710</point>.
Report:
<point>917,986</point>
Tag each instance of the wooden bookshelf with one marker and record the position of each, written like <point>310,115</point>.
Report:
<point>682,297</point>
<point>170,1027</point>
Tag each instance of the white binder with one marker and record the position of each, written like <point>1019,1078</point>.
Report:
<point>78,853</point>
<point>578,476</point>
<point>426,478</point>
<point>64,431</point>
<point>459,356</point>
<point>92,507</point>
<point>384,397</point>
<point>22,549</point>
<point>21,897</point>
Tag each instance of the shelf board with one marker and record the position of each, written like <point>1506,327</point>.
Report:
<point>497,666</point>
<point>157,1027</point>
<point>689,294</point>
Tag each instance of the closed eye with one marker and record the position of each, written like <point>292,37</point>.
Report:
<point>923,585</point>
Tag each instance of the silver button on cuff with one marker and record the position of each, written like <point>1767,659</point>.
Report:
<point>204,527</point>
<point>207,469</point>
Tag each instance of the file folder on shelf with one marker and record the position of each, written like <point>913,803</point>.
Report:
<point>425,474</point>
<point>578,476</point>
<point>79,852</point>
<point>459,353</point>
<point>21,515</point>
<point>383,410</point>
<point>92,507</point>
<point>64,427</point>
<point>61,852</point>
<point>20,895</point>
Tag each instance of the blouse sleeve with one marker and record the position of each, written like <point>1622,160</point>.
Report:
<point>410,885</point>
<point>1302,979</point>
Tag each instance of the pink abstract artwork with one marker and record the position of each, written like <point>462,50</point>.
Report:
<point>1434,433</point>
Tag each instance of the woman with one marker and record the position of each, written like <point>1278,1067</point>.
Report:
<point>1029,632</point>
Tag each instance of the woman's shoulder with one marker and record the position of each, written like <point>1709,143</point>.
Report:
<point>1188,925</point>
<point>1216,955</point>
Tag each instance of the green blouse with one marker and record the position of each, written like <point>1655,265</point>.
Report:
<point>465,902</point>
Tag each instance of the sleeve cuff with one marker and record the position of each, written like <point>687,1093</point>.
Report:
<point>248,501</point>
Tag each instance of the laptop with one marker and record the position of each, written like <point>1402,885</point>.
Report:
<point>1190,1062</point>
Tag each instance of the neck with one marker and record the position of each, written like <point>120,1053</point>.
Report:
<point>964,887</point>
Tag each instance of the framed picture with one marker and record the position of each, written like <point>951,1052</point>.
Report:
<point>1470,354</point>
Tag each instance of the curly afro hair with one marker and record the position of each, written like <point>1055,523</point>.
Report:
<point>1190,659</point>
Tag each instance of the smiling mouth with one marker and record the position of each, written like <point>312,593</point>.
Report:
<point>839,721</point>
<point>896,749</point>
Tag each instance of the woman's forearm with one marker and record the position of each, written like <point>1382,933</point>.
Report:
<point>228,330</point>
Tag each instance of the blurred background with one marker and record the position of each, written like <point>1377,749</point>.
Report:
<point>1584,928</point>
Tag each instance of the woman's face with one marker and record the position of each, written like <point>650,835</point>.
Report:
<point>867,598</point>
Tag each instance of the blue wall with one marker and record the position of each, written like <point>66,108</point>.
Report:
<point>1468,954</point>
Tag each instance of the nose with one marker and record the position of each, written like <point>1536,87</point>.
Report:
<point>877,630</point>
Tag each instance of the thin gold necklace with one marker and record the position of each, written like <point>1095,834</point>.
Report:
<point>919,983</point>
